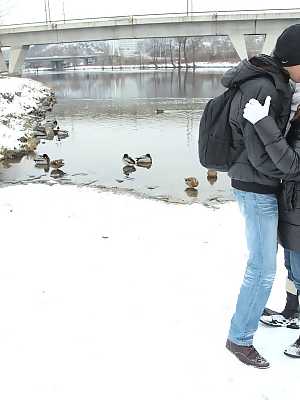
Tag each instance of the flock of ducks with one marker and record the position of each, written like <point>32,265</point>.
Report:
<point>192,182</point>
<point>49,130</point>
<point>144,161</point>
<point>43,161</point>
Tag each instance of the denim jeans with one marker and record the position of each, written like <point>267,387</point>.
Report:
<point>292,263</point>
<point>260,212</point>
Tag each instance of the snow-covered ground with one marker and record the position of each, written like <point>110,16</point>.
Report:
<point>106,296</point>
<point>21,101</point>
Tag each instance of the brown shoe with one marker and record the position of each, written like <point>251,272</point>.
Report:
<point>247,355</point>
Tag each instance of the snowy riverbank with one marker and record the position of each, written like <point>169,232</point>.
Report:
<point>199,67</point>
<point>23,103</point>
<point>105,296</point>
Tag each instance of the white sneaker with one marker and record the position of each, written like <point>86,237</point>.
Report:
<point>293,350</point>
<point>278,320</point>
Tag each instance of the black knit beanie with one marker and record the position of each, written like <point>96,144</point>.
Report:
<point>287,49</point>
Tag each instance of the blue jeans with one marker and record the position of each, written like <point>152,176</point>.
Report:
<point>261,220</point>
<point>292,263</point>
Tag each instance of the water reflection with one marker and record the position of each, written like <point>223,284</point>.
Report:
<point>57,173</point>
<point>123,85</point>
<point>128,169</point>
<point>111,113</point>
<point>191,192</point>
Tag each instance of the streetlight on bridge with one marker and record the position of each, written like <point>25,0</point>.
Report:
<point>47,11</point>
<point>188,11</point>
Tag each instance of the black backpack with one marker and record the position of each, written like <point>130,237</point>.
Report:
<point>216,148</point>
<point>215,144</point>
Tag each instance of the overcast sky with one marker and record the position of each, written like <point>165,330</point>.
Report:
<point>34,10</point>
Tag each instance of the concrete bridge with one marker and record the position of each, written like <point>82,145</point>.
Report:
<point>235,24</point>
<point>58,62</point>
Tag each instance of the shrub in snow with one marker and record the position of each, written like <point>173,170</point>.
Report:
<point>23,104</point>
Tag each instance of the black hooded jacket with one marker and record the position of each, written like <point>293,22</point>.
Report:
<point>285,153</point>
<point>257,78</point>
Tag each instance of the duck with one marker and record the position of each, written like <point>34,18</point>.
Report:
<point>128,160</point>
<point>144,161</point>
<point>159,111</point>
<point>212,173</point>
<point>212,176</point>
<point>42,160</point>
<point>39,133</point>
<point>45,160</point>
<point>57,163</point>
<point>60,133</point>
<point>191,182</point>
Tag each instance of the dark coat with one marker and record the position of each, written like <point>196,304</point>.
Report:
<point>257,78</point>
<point>285,152</point>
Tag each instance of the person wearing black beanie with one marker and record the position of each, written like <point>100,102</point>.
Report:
<point>287,51</point>
<point>284,150</point>
<point>256,177</point>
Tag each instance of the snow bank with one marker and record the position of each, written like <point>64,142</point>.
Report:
<point>105,296</point>
<point>22,103</point>
<point>161,66</point>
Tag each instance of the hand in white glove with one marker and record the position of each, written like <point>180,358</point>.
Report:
<point>254,111</point>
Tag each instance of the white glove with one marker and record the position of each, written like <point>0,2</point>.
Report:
<point>254,111</point>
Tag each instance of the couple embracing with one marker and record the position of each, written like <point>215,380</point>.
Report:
<point>265,178</point>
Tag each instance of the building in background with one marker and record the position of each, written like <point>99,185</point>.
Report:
<point>124,47</point>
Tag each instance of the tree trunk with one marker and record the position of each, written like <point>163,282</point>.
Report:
<point>154,57</point>
<point>171,54</point>
<point>184,53</point>
<point>193,50</point>
<point>179,53</point>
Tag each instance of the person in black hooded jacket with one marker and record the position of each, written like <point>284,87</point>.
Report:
<point>285,152</point>
<point>256,181</point>
<point>289,316</point>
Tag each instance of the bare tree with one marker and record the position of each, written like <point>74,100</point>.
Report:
<point>185,52</point>
<point>179,43</point>
<point>171,52</point>
<point>193,46</point>
<point>141,52</point>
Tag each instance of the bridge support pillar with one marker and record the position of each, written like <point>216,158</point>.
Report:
<point>269,43</point>
<point>16,60</point>
<point>3,66</point>
<point>238,41</point>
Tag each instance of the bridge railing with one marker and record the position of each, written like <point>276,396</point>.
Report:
<point>133,16</point>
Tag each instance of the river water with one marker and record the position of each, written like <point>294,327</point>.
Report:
<point>109,113</point>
